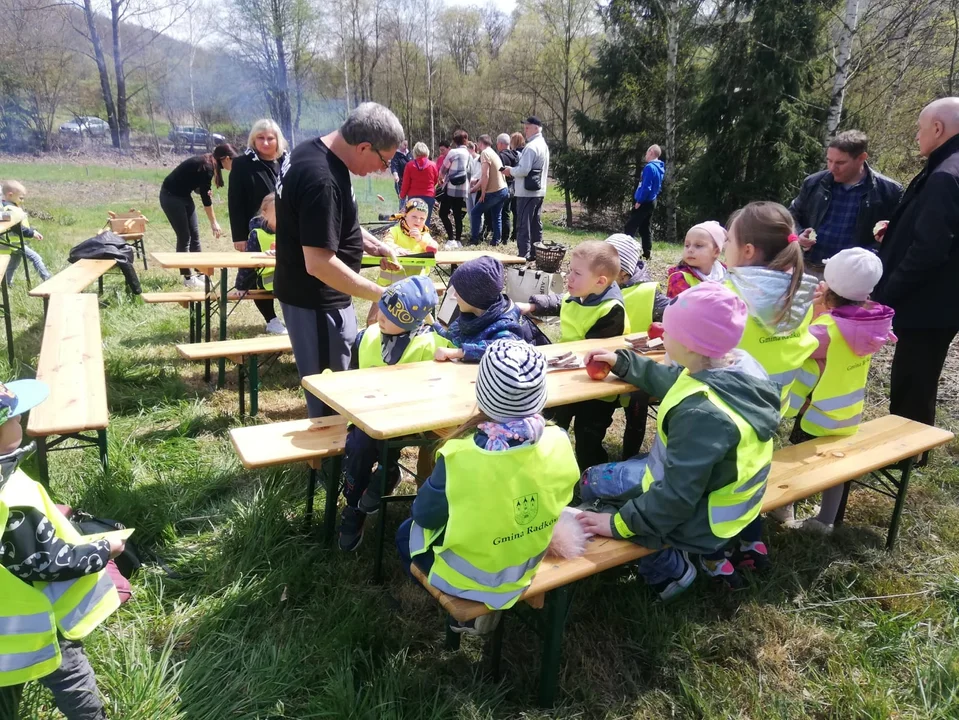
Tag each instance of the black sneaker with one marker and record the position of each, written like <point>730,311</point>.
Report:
<point>672,587</point>
<point>351,529</point>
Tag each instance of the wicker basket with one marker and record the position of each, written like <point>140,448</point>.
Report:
<point>549,255</point>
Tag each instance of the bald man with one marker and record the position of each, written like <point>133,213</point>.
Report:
<point>644,199</point>
<point>920,255</point>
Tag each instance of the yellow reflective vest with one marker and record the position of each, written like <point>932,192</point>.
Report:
<point>400,239</point>
<point>733,506</point>
<point>838,394</point>
<point>639,301</point>
<point>264,240</point>
<point>502,509</point>
<point>32,613</point>
<point>420,349</point>
<point>576,319</point>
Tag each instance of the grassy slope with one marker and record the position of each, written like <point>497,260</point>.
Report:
<point>263,622</point>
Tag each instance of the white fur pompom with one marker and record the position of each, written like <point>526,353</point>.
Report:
<point>569,540</point>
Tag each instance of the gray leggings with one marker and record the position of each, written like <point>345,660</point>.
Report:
<point>181,212</point>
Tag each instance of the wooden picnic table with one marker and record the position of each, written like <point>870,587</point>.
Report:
<point>393,401</point>
<point>17,216</point>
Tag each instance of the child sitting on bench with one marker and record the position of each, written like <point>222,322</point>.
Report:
<point>486,314</point>
<point>400,336</point>
<point>700,263</point>
<point>702,484</point>
<point>483,520</point>
<point>829,393</point>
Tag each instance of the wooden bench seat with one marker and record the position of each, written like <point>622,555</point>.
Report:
<point>309,441</point>
<point>245,354</point>
<point>73,279</point>
<point>185,297</point>
<point>798,471</point>
<point>71,364</point>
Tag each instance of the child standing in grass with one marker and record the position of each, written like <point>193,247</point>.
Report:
<point>483,520</point>
<point>14,193</point>
<point>54,588</point>
<point>830,392</point>
<point>262,238</point>
<point>702,484</point>
<point>398,337</point>
<point>701,250</point>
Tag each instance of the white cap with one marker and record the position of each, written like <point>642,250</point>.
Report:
<point>853,273</point>
<point>628,251</point>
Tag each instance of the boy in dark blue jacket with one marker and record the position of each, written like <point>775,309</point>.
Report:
<point>644,199</point>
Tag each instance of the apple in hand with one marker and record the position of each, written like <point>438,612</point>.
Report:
<point>597,369</point>
<point>656,330</point>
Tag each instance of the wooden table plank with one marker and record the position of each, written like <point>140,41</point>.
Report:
<point>388,402</point>
<point>261,446</point>
<point>71,364</point>
<point>264,345</point>
<point>73,279</point>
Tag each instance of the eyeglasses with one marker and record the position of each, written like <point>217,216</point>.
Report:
<point>386,163</point>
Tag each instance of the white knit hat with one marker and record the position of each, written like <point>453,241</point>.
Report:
<point>511,382</point>
<point>853,273</point>
<point>628,251</point>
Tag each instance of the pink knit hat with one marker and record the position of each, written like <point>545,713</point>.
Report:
<point>716,231</point>
<point>708,319</point>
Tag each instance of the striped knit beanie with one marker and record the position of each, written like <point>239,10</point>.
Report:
<point>628,251</point>
<point>511,382</point>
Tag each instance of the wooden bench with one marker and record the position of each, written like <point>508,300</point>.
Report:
<point>71,364</point>
<point>131,226</point>
<point>193,300</point>
<point>881,446</point>
<point>73,279</point>
<point>245,353</point>
<point>309,441</point>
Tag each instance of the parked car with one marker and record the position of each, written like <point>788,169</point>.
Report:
<point>185,134</point>
<point>89,126</point>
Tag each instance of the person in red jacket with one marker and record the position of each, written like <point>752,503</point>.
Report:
<point>419,179</point>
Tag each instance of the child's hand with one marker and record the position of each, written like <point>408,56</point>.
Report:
<point>444,354</point>
<point>240,246</point>
<point>596,523</point>
<point>604,356</point>
<point>525,308</point>
<point>819,299</point>
<point>37,236</point>
<point>117,547</point>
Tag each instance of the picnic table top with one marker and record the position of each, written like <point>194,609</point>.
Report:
<point>392,401</point>
<point>71,364</point>
<point>233,259</point>
<point>16,217</point>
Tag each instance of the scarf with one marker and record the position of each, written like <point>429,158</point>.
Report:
<point>526,430</point>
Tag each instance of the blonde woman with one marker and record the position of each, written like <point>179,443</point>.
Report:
<point>252,178</point>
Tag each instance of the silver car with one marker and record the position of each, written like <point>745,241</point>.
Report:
<point>89,126</point>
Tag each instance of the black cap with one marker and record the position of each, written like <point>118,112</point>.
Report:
<point>533,120</point>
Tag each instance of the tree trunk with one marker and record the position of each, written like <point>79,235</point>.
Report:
<point>672,59</point>
<point>100,59</point>
<point>123,122</point>
<point>841,77</point>
<point>285,117</point>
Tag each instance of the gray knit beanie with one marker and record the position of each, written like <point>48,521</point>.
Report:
<point>511,381</point>
<point>628,251</point>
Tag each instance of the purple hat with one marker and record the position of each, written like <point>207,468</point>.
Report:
<point>708,319</point>
<point>479,282</point>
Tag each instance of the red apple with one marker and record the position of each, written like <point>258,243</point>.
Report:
<point>597,369</point>
<point>655,331</point>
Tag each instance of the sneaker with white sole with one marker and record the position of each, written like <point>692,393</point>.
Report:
<point>276,327</point>
<point>194,282</point>
<point>785,514</point>
<point>670,588</point>
<point>815,525</point>
<point>483,625</point>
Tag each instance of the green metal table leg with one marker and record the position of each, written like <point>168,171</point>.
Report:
<point>102,446</point>
<point>333,469</point>
<point>254,376</point>
<point>221,363</point>
<point>496,651</point>
<point>42,465</point>
<point>7,320</point>
<point>240,372</point>
<point>100,285</point>
<point>452,638</point>
<point>23,255</point>
<point>557,604</point>
<point>905,470</point>
<point>206,309</point>
<point>381,516</point>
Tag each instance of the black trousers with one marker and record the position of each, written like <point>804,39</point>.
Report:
<point>592,420</point>
<point>637,414</point>
<point>266,308</point>
<point>638,222</point>
<point>916,368</point>
<point>181,212</point>
<point>456,206</point>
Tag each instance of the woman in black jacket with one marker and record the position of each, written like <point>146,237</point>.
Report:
<point>194,175</point>
<point>252,178</point>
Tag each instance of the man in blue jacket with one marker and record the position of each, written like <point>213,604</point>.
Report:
<point>644,199</point>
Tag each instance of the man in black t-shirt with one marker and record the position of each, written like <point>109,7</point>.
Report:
<point>319,241</point>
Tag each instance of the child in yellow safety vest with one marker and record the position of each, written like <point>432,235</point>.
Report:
<point>399,336</point>
<point>701,250</point>
<point>14,193</point>
<point>262,238</point>
<point>830,392</point>
<point>766,270</point>
<point>592,307</point>
<point>700,489</point>
<point>54,588</point>
<point>483,520</point>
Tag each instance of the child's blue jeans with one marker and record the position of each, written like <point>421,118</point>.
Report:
<point>33,256</point>
<point>362,453</point>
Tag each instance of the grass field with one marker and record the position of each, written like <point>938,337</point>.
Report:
<point>259,620</point>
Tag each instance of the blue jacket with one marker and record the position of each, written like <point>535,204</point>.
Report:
<point>474,333</point>
<point>651,183</point>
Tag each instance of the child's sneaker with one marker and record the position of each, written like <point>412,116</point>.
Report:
<point>369,503</point>
<point>815,525</point>
<point>722,573</point>
<point>483,625</point>
<point>751,556</point>
<point>276,327</point>
<point>351,529</point>
<point>785,514</point>
<point>672,587</point>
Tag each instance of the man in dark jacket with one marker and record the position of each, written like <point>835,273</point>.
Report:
<point>837,208</point>
<point>920,257</point>
<point>398,166</point>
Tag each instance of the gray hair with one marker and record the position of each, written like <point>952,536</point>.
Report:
<point>374,124</point>
<point>502,138</point>
<point>421,150</point>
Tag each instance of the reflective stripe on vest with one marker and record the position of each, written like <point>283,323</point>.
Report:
<point>421,348</point>
<point>733,506</point>
<point>25,624</point>
<point>780,355</point>
<point>21,664</point>
<point>264,240</point>
<point>502,509</point>
<point>639,301</point>
<point>575,320</point>
<point>72,619</point>
<point>805,380</point>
